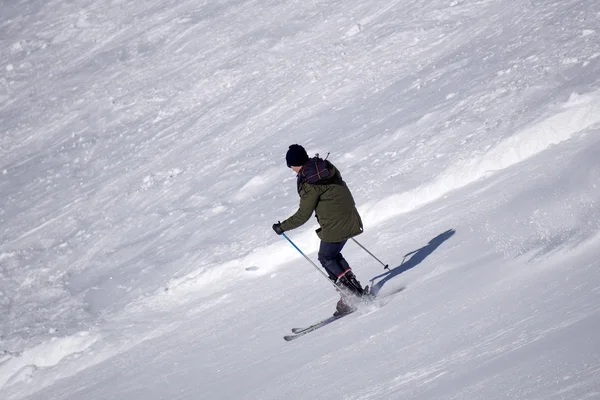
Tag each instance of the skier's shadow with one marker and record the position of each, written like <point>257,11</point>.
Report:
<point>416,257</point>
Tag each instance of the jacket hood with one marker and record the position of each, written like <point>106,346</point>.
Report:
<point>316,170</point>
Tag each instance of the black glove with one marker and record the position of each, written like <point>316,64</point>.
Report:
<point>277,228</point>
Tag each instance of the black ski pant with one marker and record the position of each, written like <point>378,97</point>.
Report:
<point>331,259</point>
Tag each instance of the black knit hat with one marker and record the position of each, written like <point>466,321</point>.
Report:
<point>296,156</point>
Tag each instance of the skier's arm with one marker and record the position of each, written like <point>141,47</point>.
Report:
<point>308,203</point>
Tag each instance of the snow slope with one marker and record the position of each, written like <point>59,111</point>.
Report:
<point>142,165</point>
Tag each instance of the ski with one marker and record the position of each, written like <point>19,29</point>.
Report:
<point>323,322</point>
<point>298,332</point>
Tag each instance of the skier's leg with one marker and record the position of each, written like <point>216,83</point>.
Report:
<point>328,257</point>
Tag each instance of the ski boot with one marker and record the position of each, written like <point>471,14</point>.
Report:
<point>353,293</point>
<point>343,308</point>
<point>349,282</point>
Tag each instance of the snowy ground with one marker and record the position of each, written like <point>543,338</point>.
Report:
<point>142,165</point>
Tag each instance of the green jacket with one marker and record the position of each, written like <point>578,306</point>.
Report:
<point>323,191</point>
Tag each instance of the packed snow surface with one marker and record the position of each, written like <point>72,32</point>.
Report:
<point>142,164</point>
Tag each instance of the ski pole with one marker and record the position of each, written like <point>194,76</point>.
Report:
<point>386,266</point>
<point>313,264</point>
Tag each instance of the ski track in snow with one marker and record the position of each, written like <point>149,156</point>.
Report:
<point>21,367</point>
<point>142,165</point>
<point>581,112</point>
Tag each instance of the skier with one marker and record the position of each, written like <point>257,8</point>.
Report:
<point>322,190</point>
